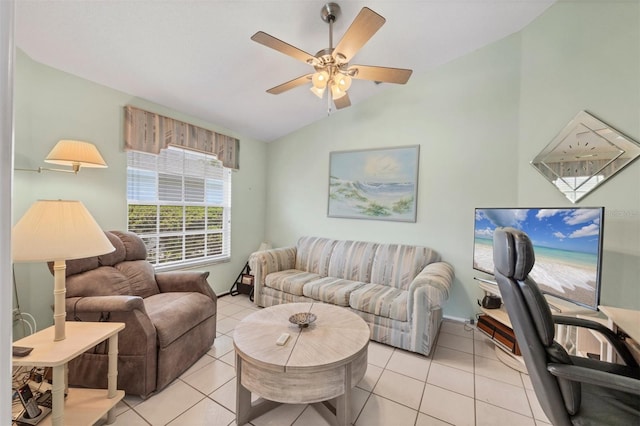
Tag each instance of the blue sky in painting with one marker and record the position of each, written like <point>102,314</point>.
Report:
<point>396,165</point>
<point>574,229</point>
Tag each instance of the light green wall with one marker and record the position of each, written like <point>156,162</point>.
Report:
<point>479,120</point>
<point>53,105</point>
<point>586,56</point>
<point>464,117</point>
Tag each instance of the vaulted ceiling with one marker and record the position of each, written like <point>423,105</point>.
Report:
<point>197,56</point>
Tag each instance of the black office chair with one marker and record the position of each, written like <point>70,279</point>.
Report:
<point>571,390</point>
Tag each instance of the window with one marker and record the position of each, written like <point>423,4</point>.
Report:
<point>179,203</point>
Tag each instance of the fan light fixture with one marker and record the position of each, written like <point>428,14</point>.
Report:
<point>338,83</point>
<point>332,69</point>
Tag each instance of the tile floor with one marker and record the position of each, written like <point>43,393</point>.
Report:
<point>461,383</point>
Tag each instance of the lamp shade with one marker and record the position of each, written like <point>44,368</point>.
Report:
<point>320,79</point>
<point>57,230</point>
<point>318,92</point>
<point>76,153</point>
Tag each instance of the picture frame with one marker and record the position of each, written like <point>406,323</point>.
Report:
<point>376,183</point>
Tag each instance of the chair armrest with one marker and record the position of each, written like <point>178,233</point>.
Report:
<point>616,342</point>
<point>186,281</point>
<point>595,377</point>
<point>263,263</point>
<point>99,304</point>
<point>139,334</point>
<point>430,288</point>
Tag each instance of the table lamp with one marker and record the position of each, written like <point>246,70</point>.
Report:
<point>58,230</point>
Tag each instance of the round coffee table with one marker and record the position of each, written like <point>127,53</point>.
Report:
<point>317,364</point>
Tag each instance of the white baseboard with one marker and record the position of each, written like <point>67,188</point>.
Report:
<point>458,319</point>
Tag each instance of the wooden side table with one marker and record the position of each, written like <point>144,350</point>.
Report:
<point>82,406</point>
<point>318,363</point>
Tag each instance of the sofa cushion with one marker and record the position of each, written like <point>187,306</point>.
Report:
<point>313,255</point>
<point>352,260</point>
<point>174,314</point>
<point>133,245</point>
<point>116,256</point>
<point>102,281</point>
<point>290,281</point>
<point>396,265</point>
<point>381,300</point>
<point>142,277</point>
<point>331,290</point>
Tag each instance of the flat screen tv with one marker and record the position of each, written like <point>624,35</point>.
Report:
<point>567,244</point>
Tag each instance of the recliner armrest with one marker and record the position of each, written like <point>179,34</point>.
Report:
<point>618,345</point>
<point>186,281</point>
<point>104,304</point>
<point>595,377</point>
<point>139,334</point>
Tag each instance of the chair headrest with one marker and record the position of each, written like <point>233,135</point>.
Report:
<point>513,258</point>
<point>513,254</point>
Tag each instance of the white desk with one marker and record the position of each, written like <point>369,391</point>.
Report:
<point>82,406</point>
<point>627,321</point>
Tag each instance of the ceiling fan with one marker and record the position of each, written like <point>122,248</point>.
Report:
<point>332,69</point>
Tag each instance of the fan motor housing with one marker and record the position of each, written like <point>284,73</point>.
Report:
<point>330,12</point>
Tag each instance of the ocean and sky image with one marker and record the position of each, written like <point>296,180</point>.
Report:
<point>374,184</point>
<point>566,245</point>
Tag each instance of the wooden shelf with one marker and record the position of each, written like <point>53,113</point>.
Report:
<point>81,406</point>
<point>85,406</point>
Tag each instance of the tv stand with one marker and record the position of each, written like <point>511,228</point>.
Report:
<point>559,306</point>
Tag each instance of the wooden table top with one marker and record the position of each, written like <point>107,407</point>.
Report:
<point>626,319</point>
<point>337,337</point>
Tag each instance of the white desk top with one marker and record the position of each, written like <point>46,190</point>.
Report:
<point>80,336</point>
<point>626,319</point>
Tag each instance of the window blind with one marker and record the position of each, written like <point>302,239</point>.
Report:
<point>179,203</point>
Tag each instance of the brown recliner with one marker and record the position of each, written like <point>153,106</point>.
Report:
<point>170,317</point>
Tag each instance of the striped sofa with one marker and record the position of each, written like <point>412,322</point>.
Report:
<point>397,289</point>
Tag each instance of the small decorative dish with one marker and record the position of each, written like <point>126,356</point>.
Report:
<point>302,319</point>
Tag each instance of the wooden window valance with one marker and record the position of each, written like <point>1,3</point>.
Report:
<point>150,132</point>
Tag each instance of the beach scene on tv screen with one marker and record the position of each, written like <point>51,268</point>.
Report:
<point>565,241</point>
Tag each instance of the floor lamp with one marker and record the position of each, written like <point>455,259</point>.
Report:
<point>58,230</point>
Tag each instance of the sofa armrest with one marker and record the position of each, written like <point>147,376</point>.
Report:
<point>263,263</point>
<point>188,281</point>
<point>430,288</point>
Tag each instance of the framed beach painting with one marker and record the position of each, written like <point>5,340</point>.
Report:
<point>380,184</point>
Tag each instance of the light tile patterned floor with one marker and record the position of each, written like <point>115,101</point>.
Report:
<point>461,383</point>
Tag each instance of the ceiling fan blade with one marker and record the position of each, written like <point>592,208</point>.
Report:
<point>342,102</point>
<point>384,74</point>
<point>303,79</point>
<point>282,47</point>
<point>361,30</point>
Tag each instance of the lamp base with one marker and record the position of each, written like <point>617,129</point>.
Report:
<point>59,292</point>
